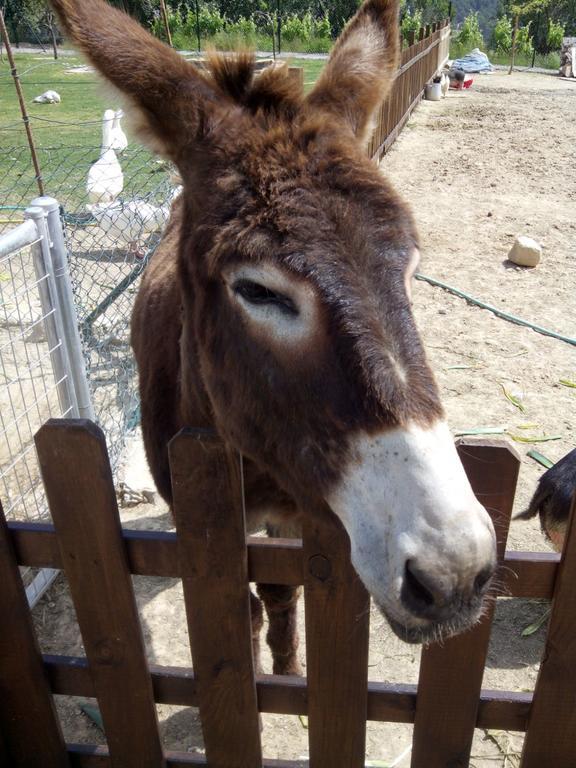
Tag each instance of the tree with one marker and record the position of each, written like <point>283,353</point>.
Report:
<point>33,15</point>
<point>432,10</point>
<point>142,10</point>
<point>564,12</point>
<point>520,10</point>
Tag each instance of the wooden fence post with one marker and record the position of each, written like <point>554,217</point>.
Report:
<point>80,491</point>
<point>551,736</point>
<point>297,74</point>
<point>451,674</point>
<point>29,726</point>
<point>208,508</point>
<point>337,627</point>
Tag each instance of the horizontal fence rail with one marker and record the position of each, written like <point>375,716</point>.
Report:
<point>278,561</point>
<point>87,542</point>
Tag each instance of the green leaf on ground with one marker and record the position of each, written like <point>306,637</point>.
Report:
<point>568,383</point>
<point>535,438</point>
<point>531,629</point>
<point>540,458</point>
<point>513,399</point>
<point>479,431</point>
<point>93,713</point>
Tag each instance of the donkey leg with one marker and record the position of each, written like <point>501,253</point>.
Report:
<point>280,602</point>
<point>257,615</point>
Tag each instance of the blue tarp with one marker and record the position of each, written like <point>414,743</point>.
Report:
<point>475,61</point>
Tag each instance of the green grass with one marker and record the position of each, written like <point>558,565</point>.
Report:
<point>81,101</point>
<point>67,135</point>
<point>548,61</point>
<point>312,69</point>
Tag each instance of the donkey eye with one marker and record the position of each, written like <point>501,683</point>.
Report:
<point>258,294</point>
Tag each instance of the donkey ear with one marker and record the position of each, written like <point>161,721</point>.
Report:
<point>168,100</point>
<point>361,68</point>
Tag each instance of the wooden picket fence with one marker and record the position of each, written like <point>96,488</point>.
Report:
<point>216,562</point>
<point>419,62</point>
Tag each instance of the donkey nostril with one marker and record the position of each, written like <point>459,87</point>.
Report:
<point>417,589</point>
<point>482,579</point>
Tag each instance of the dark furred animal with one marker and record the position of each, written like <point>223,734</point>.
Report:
<point>277,311</point>
<point>552,499</point>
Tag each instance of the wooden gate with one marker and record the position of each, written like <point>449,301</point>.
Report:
<point>216,562</point>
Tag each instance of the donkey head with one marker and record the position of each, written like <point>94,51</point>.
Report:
<point>296,260</point>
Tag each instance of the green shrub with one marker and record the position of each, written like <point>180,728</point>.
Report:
<point>524,44</point>
<point>245,29</point>
<point>210,21</point>
<point>555,36</point>
<point>470,35</point>
<point>321,28</point>
<point>502,35</point>
<point>411,22</point>
<point>297,28</point>
<point>174,24</point>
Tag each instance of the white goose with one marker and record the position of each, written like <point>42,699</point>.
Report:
<point>131,221</point>
<point>119,139</point>
<point>105,179</point>
<point>48,97</point>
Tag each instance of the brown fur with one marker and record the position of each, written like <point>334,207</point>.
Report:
<point>270,176</point>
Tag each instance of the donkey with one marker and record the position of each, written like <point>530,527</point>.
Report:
<point>277,311</point>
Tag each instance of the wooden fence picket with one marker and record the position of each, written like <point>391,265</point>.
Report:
<point>551,736</point>
<point>209,514</point>
<point>80,491</point>
<point>418,64</point>
<point>445,708</point>
<point>337,627</point>
<point>451,674</point>
<point>29,725</point>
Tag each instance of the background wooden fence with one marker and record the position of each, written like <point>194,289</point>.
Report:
<point>216,562</point>
<point>419,63</point>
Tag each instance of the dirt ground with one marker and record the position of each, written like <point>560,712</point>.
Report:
<point>478,169</point>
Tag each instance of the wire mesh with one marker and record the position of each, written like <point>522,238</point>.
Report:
<point>30,391</point>
<point>109,245</point>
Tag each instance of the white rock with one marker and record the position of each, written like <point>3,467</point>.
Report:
<point>137,485</point>
<point>525,252</point>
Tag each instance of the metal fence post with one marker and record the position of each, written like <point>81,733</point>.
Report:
<point>66,309</point>
<point>52,321</point>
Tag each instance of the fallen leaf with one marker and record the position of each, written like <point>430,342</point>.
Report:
<point>535,439</point>
<point>513,399</point>
<point>531,629</point>
<point>540,458</point>
<point>93,713</point>
<point>480,431</point>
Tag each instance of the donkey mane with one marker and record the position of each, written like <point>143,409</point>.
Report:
<point>273,92</point>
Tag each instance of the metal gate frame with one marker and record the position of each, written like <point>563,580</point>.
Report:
<point>42,232</point>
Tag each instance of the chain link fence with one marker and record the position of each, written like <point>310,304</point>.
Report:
<point>108,246</point>
<point>42,371</point>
